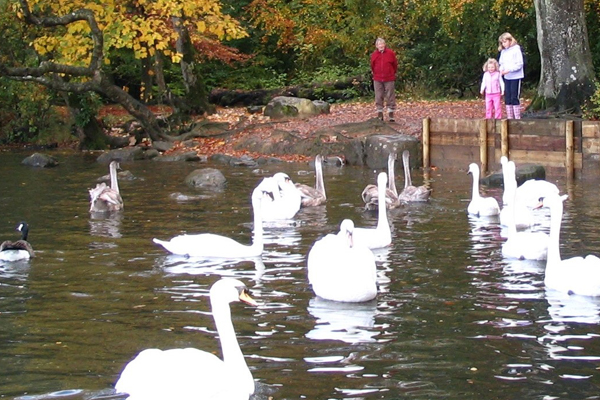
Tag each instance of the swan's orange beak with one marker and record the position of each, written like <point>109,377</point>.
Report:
<point>245,298</point>
<point>540,203</point>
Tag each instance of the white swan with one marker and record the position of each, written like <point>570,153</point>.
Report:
<point>381,236</point>
<point>481,206</point>
<point>191,373</point>
<point>18,250</point>
<point>411,193</point>
<point>210,245</point>
<point>577,275</point>
<point>314,196</point>
<point>286,199</point>
<point>104,198</point>
<point>530,192</point>
<point>370,193</point>
<point>513,211</point>
<point>340,269</point>
<point>525,245</point>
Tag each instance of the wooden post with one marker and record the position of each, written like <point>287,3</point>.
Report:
<point>426,149</point>
<point>483,145</point>
<point>504,138</point>
<point>569,156</point>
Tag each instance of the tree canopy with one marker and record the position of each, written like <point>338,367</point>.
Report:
<point>175,47</point>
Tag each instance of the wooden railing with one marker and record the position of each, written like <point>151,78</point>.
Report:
<point>554,143</point>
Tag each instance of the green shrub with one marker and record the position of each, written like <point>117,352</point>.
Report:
<point>26,111</point>
<point>591,109</point>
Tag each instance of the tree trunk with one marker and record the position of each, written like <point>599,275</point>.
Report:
<point>146,79</point>
<point>136,108</point>
<point>164,93</point>
<point>567,72</point>
<point>196,95</point>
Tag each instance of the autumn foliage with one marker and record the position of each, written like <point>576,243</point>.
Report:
<point>143,26</point>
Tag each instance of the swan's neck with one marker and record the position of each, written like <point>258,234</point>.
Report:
<point>511,191</point>
<point>382,221</point>
<point>475,195</point>
<point>114,184</point>
<point>319,184</point>
<point>512,209</point>
<point>392,176</point>
<point>232,354</point>
<point>556,213</point>
<point>407,178</point>
<point>512,223</point>
<point>510,183</point>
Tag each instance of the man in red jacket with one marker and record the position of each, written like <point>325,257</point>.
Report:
<point>384,65</point>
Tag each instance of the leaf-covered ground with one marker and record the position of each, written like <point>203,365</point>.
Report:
<point>409,120</point>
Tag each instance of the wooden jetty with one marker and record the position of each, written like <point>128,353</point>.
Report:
<point>562,146</point>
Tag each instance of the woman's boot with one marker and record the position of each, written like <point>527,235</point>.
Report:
<point>509,112</point>
<point>517,111</point>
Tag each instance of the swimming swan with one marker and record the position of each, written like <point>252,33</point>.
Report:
<point>19,250</point>
<point>524,245</point>
<point>411,193</point>
<point>210,245</point>
<point>480,206</point>
<point>381,236</point>
<point>314,196</point>
<point>577,275</point>
<point>191,373</point>
<point>104,198</point>
<point>370,193</point>
<point>286,199</point>
<point>513,211</point>
<point>339,269</point>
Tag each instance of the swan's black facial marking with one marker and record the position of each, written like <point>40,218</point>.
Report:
<point>270,194</point>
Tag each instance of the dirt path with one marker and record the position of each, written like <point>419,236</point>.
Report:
<point>409,117</point>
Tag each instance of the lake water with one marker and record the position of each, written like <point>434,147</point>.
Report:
<point>452,319</point>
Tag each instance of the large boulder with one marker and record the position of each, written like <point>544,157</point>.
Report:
<point>343,140</point>
<point>206,178</point>
<point>40,160</point>
<point>377,148</point>
<point>291,107</point>
<point>524,173</point>
<point>187,156</point>
<point>128,154</point>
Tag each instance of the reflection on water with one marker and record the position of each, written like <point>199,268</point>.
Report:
<point>571,308</point>
<point>14,271</point>
<point>106,224</point>
<point>452,319</point>
<point>174,264</point>
<point>348,322</point>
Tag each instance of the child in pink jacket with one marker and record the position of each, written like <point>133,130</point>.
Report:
<point>492,85</point>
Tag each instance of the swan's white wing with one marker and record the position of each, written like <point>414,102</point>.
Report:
<point>484,207</point>
<point>285,200</point>
<point>577,275</point>
<point>208,245</point>
<point>177,374</point>
<point>338,272</point>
